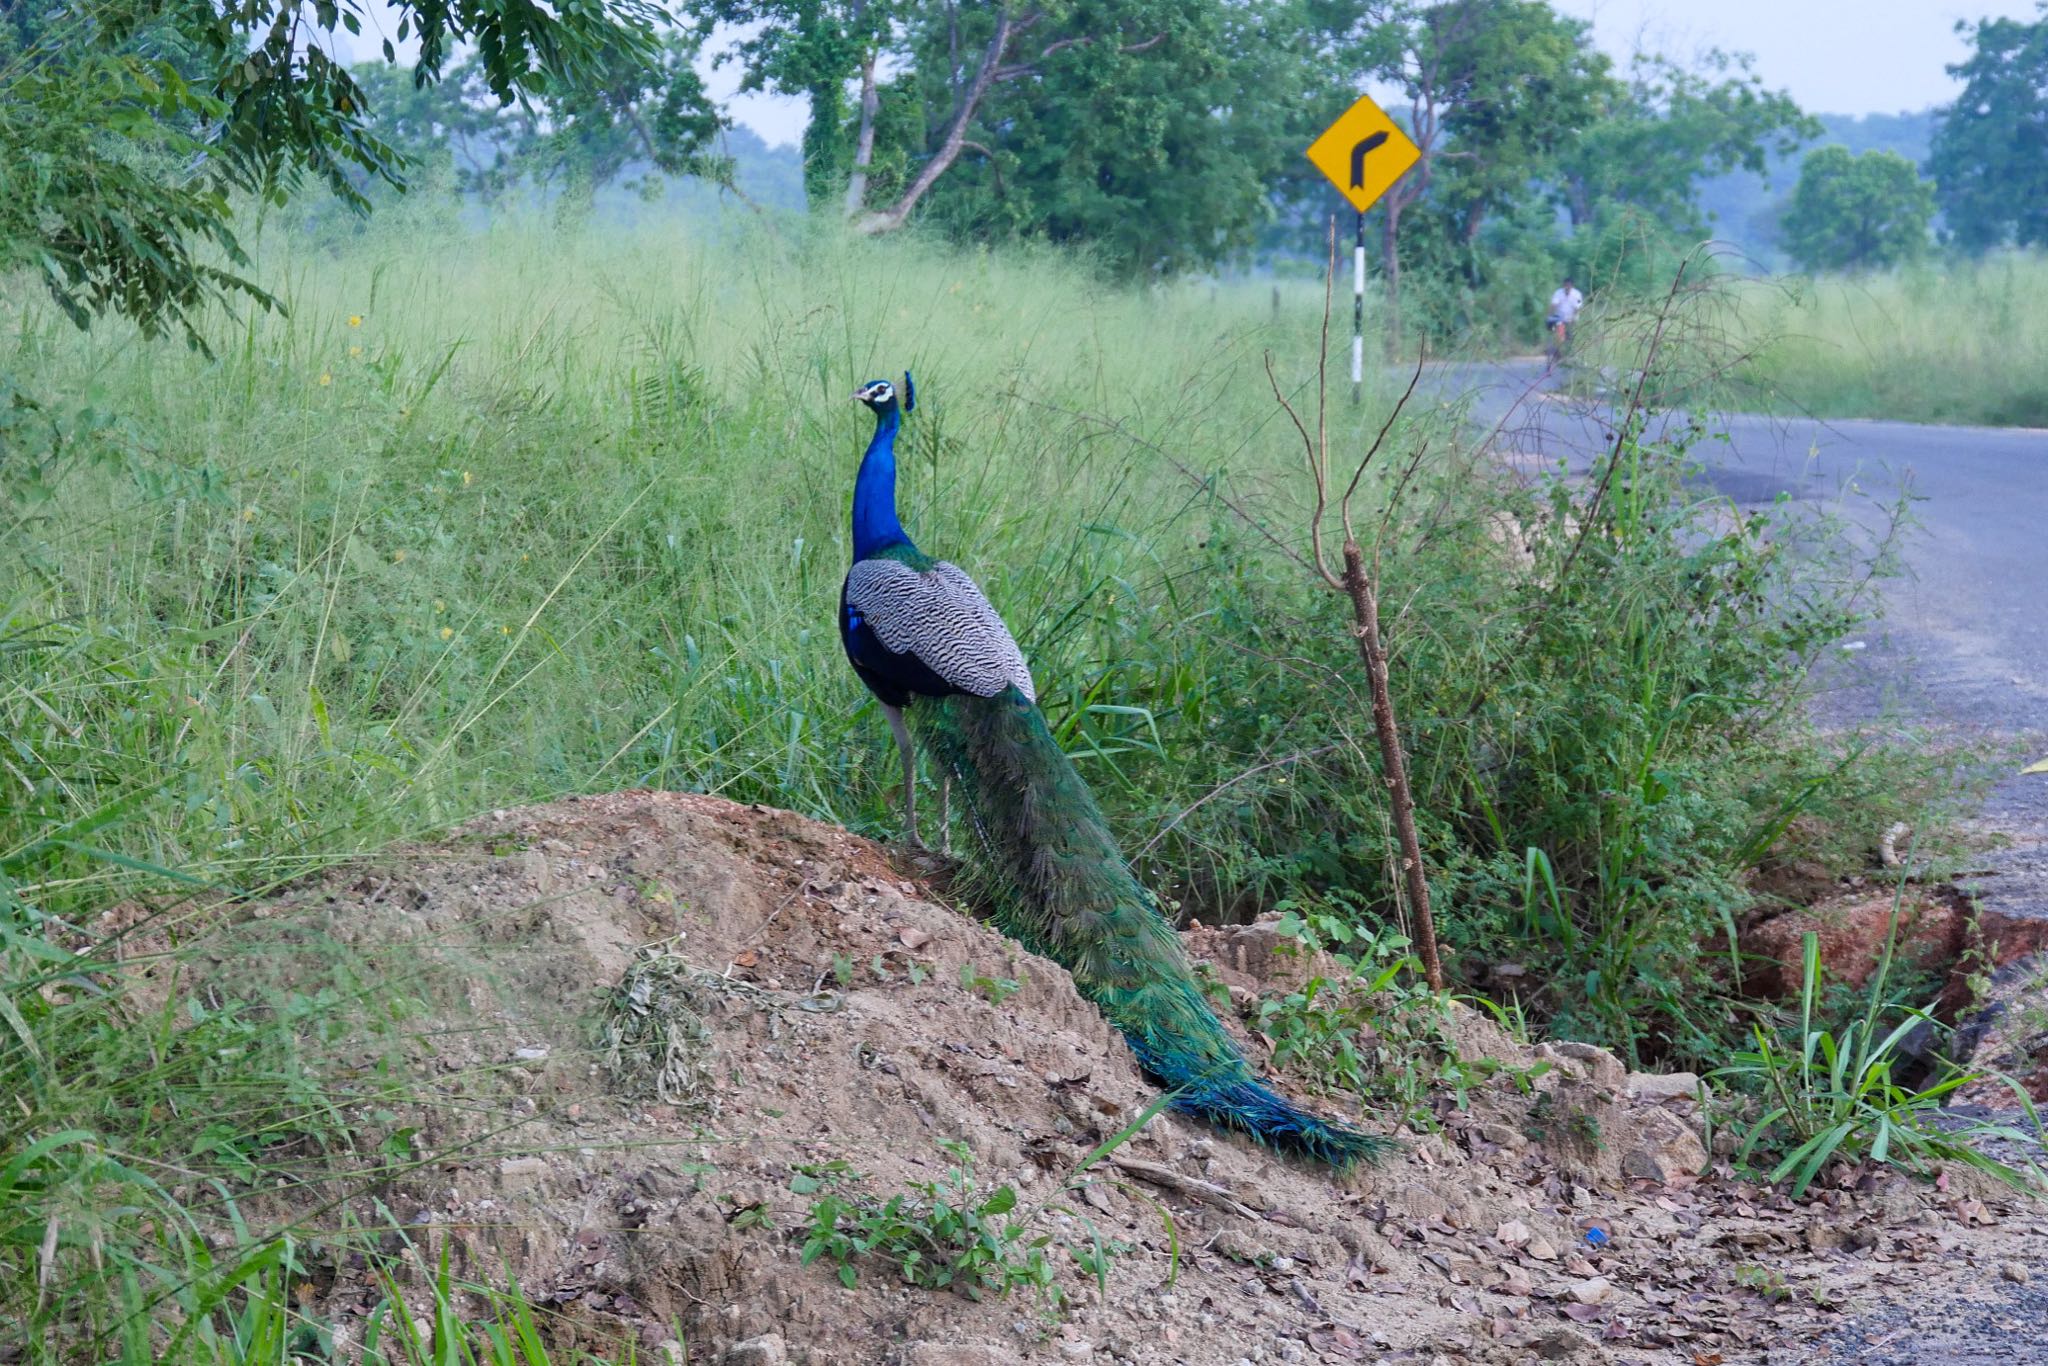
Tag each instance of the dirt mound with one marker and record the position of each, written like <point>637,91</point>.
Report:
<point>662,1027</point>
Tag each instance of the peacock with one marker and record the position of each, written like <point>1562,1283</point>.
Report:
<point>925,640</point>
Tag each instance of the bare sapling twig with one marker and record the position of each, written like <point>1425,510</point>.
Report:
<point>1358,582</point>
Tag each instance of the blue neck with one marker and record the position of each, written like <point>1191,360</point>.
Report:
<point>875,525</point>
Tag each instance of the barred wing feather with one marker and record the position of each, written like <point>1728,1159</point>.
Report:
<point>942,618</point>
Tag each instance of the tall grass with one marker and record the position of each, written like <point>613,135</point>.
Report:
<point>1949,342</point>
<point>487,519</point>
<point>484,520</point>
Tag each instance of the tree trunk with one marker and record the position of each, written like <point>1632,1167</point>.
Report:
<point>864,144</point>
<point>897,214</point>
<point>1365,612</point>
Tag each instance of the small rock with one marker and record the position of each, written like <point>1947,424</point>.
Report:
<point>1639,1165</point>
<point>766,1350</point>
<point>1562,1344</point>
<point>1597,1290</point>
<point>2014,1272</point>
<point>530,1055</point>
<point>1077,1350</point>
<point>1596,1065</point>
<point>521,1173</point>
<point>1667,1146</point>
<point>1657,1086</point>
<point>670,1352</point>
<point>1513,1233</point>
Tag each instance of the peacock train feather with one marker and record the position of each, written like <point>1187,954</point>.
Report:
<point>924,639</point>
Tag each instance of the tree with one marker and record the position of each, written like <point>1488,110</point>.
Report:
<point>580,135</point>
<point>451,125</point>
<point>813,49</point>
<point>1021,45</point>
<point>959,55</point>
<point>1497,90</point>
<point>1990,153</point>
<point>125,125</point>
<point>1155,146</point>
<point>1669,127</point>
<point>647,110</point>
<point>1854,212</point>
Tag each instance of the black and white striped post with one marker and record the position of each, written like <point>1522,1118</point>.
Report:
<point>1363,153</point>
<point>1358,313</point>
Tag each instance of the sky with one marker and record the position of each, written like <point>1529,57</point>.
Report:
<point>1834,56</point>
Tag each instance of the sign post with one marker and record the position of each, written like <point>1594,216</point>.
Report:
<point>1363,153</point>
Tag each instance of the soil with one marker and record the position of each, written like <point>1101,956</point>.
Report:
<point>819,1006</point>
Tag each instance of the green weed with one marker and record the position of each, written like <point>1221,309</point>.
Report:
<point>994,990</point>
<point>942,1235</point>
<point>1827,1097</point>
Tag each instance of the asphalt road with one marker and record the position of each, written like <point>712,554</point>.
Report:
<point>1963,646</point>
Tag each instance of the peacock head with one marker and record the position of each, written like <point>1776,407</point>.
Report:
<point>881,397</point>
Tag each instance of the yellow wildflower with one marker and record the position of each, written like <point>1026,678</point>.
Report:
<point>398,557</point>
<point>355,320</point>
<point>447,633</point>
<point>465,479</point>
<point>440,604</point>
<point>504,630</point>
<point>249,514</point>
<point>325,379</point>
<point>355,351</point>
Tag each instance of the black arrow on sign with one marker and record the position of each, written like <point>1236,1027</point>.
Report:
<point>1358,158</point>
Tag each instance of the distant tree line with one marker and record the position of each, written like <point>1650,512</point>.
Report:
<point>1987,168</point>
<point>1160,136</point>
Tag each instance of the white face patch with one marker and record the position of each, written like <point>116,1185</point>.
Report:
<point>879,392</point>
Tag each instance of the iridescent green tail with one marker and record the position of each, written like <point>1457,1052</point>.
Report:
<point>1067,893</point>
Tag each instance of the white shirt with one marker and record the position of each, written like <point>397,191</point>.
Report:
<point>1565,304</point>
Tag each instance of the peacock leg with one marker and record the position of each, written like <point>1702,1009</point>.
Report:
<point>945,813</point>
<point>902,734</point>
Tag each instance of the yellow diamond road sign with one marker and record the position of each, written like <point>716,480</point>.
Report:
<point>1363,153</point>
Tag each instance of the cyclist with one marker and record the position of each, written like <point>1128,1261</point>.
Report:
<point>1565,304</point>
